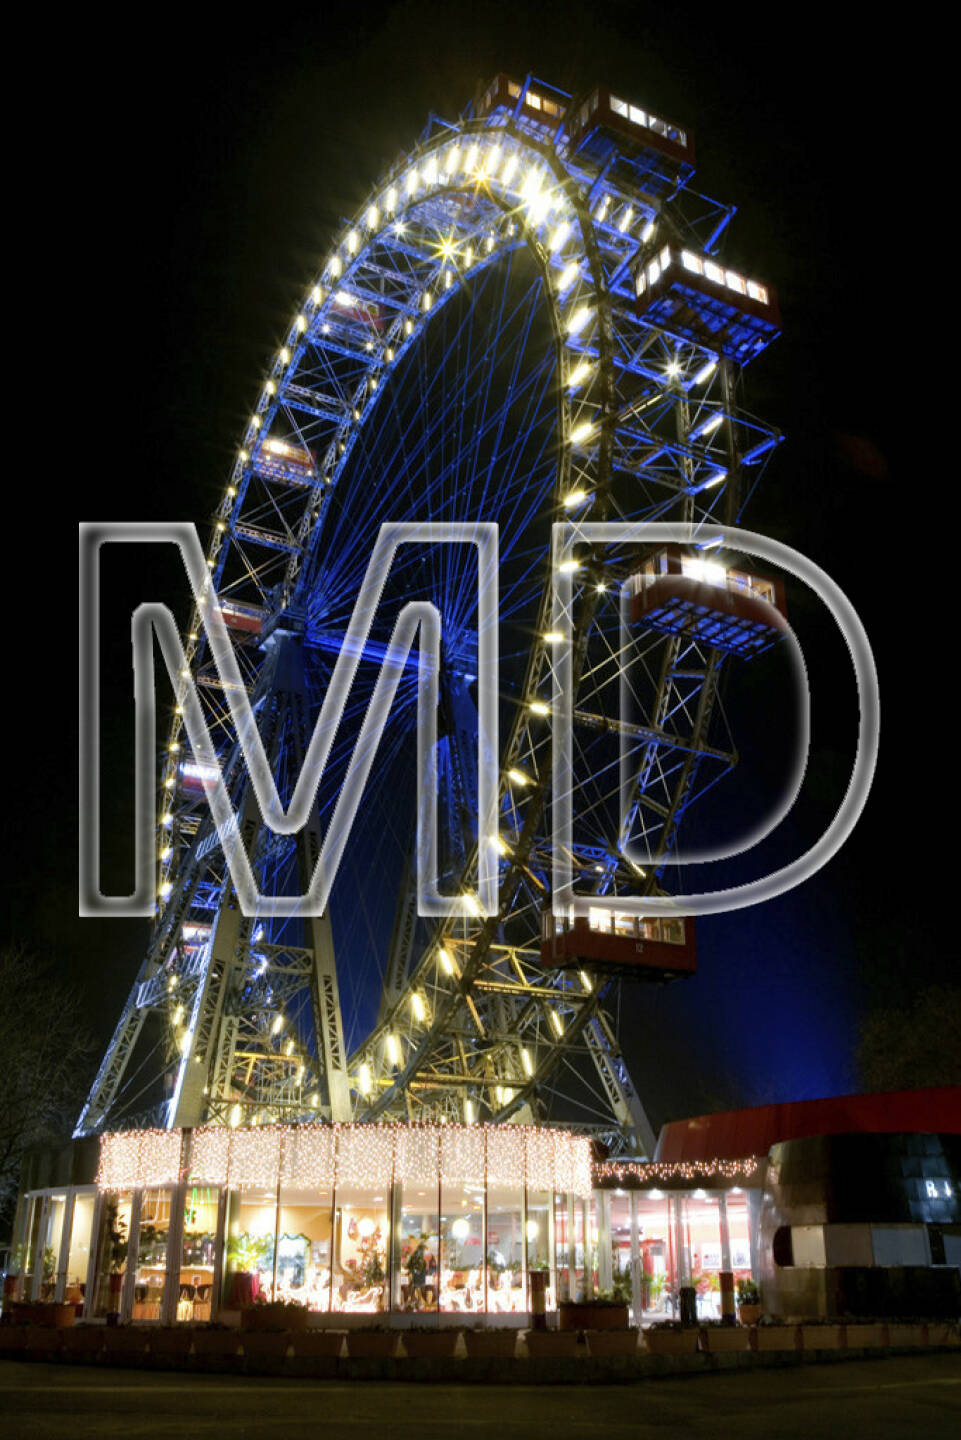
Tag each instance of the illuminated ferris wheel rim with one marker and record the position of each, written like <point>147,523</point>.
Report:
<point>542,202</point>
<point>470,159</point>
<point>509,168</point>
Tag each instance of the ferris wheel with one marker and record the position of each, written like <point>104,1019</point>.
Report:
<point>526,322</point>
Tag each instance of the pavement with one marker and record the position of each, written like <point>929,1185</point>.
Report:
<point>903,1397</point>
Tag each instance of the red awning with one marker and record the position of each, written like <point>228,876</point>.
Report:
<point>752,1132</point>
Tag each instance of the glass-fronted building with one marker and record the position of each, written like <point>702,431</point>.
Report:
<point>348,1220</point>
<point>849,1205</point>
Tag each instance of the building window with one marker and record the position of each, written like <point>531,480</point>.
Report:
<point>304,1247</point>
<point>419,1246</point>
<point>112,1247</point>
<point>151,1269</point>
<point>198,1253</point>
<point>78,1251</point>
<point>251,1240</point>
<point>782,1249</point>
<point>900,1245</point>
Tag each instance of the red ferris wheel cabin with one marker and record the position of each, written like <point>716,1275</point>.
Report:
<point>727,609</point>
<point>633,946</point>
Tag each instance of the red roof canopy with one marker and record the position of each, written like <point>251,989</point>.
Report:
<point>737,1133</point>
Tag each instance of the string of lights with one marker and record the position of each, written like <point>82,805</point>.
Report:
<point>643,1171</point>
<point>315,1157</point>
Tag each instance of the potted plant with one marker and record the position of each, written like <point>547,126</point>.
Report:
<point>606,1311</point>
<point>652,1288</point>
<point>670,1337</point>
<point>246,1257</point>
<point>748,1302</point>
<point>11,1277</point>
<point>274,1316</point>
<point>716,1337</point>
<point>115,1250</point>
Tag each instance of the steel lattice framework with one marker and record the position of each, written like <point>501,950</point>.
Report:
<point>472,348</point>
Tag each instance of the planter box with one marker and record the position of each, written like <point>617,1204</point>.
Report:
<point>576,1315</point>
<point>13,1338</point>
<point>671,1342</point>
<point>902,1335</point>
<point>551,1343</point>
<point>265,1352</point>
<point>722,1339</point>
<point>43,1313</point>
<point>262,1319</point>
<point>424,1345</point>
<point>318,1342</point>
<point>371,1344</point>
<point>83,1342</point>
<point>611,1342</point>
<point>749,1314</point>
<point>44,1342</point>
<point>490,1344</point>
<point>124,1345</point>
<point>775,1337</point>
<point>216,1344</point>
<point>859,1337</point>
<point>822,1337</point>
<point>171,1346</point>
<point>942,1332</point>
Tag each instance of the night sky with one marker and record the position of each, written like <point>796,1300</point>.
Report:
<point>204,176</point>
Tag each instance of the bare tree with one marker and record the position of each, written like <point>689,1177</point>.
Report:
<point>45,1058</point>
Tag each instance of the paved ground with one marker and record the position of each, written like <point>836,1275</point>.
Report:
<point>917,1398</point>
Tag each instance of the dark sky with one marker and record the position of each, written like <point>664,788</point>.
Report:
<point>203,169</point>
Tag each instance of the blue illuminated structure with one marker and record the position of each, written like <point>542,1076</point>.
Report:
<point>475,346</point>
